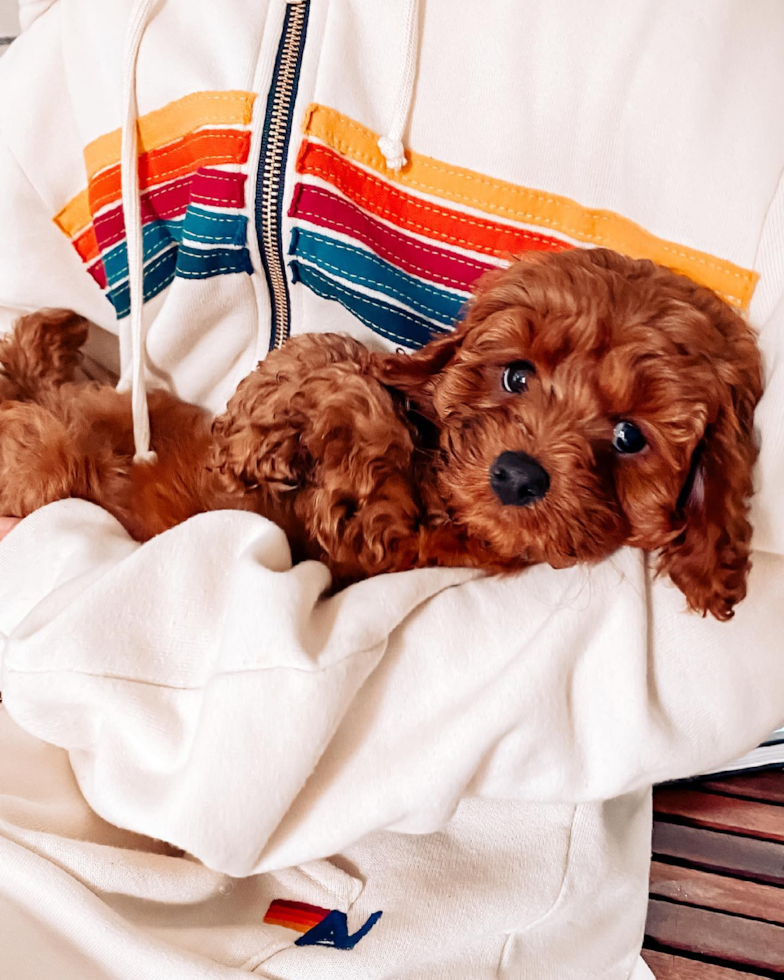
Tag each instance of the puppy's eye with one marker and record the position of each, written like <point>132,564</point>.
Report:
<point>627,438</point>
<point>516,376</point>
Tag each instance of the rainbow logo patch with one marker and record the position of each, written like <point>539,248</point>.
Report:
<point>401,250</point>
<point>319,927</point>
<point>192,155</point>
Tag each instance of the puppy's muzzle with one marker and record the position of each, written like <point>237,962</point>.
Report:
<point>517,479</point>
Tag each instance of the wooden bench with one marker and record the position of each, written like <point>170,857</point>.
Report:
<point>716,907</point>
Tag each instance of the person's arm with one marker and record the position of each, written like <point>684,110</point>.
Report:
<point>208,696</point>
<point>7,524</point>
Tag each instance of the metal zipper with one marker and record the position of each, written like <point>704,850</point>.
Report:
<point>272,163</point>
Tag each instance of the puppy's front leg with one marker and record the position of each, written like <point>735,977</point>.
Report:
<point>449,545</point>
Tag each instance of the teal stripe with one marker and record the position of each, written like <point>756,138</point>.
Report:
<point>337,258</point>
<point>201,263</point>
<point>157,276</point>
<point>390,321</point>
<point>155,237</point>
<point>212,228</point>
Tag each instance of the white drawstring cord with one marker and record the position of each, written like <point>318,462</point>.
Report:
<point>129,172</point>
<point>391,145</point>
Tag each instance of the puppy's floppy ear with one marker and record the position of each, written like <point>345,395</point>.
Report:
<point>414,374</point>
<point>253,446</point>
<point>709,558</point>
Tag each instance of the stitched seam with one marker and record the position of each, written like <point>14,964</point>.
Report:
<point>108,196</point>
<point>120,237</point>
<point>170,212</point>
<point>377,262</point>
<point>177,145</point>
<point>216,200</point>
<point>231,178</point>
<point>368,241</point>
<point>367,322</point>
<point>149,194</point>
<point>345,147</point>
<point>482,204</point>
<point>206,216</point>
<point>150,268</point>
<point>209,270</point>
<point>425,248</point>
<point>381,306</point>
<point>339,182</point>
<point>402,219</point>
<point>244,101</point>
<point>218,239</point>
<point>382,287</point>
<point>360,316</point>
<point>206,273</point>
<point>108,254</point>
<point>594,215</point>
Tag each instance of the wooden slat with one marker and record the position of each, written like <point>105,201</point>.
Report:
<point>665,966</point>
<point>722,937</point>
<point>692,887</point>
<point>721,812</point>
<point>742,856</point>
<point>757,786</point>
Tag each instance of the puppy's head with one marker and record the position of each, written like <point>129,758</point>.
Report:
<point>587,401</point>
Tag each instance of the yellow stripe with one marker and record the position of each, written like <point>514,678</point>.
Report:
<point>172,121</point>
<point>75,216</point>
<point>551,211</point>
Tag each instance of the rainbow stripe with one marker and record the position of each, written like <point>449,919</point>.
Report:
<point>402,250</point>
<point>191,155</point>
<point>295,915</point>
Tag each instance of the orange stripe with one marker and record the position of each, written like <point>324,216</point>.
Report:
<point>274,920</point>
<point>87,244</point>
<point>171,122</point>
<point>557,214</point>
<point>406,211</point>
<point>183,156</point>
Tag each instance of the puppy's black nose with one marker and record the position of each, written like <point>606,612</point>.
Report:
<point>517,479</point>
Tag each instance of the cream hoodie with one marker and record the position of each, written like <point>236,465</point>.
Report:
<point>469,757</point>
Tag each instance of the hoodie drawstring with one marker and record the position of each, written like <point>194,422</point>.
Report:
<point>391,145</point>
<point>131,204</point>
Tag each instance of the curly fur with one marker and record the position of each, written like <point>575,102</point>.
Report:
<point>376,463</point>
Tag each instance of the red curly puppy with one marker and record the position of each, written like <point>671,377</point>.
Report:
<point>586,401</point>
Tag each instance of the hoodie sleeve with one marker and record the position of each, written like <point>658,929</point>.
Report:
<point>208,696</point>
<point>38,265</point>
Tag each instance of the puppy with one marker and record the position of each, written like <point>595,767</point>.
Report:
<point>585,402</point>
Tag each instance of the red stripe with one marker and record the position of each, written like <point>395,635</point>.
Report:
<point>212,187</point>
<point>98,273</point>
<point>86,244</point>
<point>423,217</point>
<point>327,210</point>
<point>282,903</point>
<point>183,156</point>
<point>164,202</point>
<point>219,187</point>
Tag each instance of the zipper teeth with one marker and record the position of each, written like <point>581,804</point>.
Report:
<point>273,170</point>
